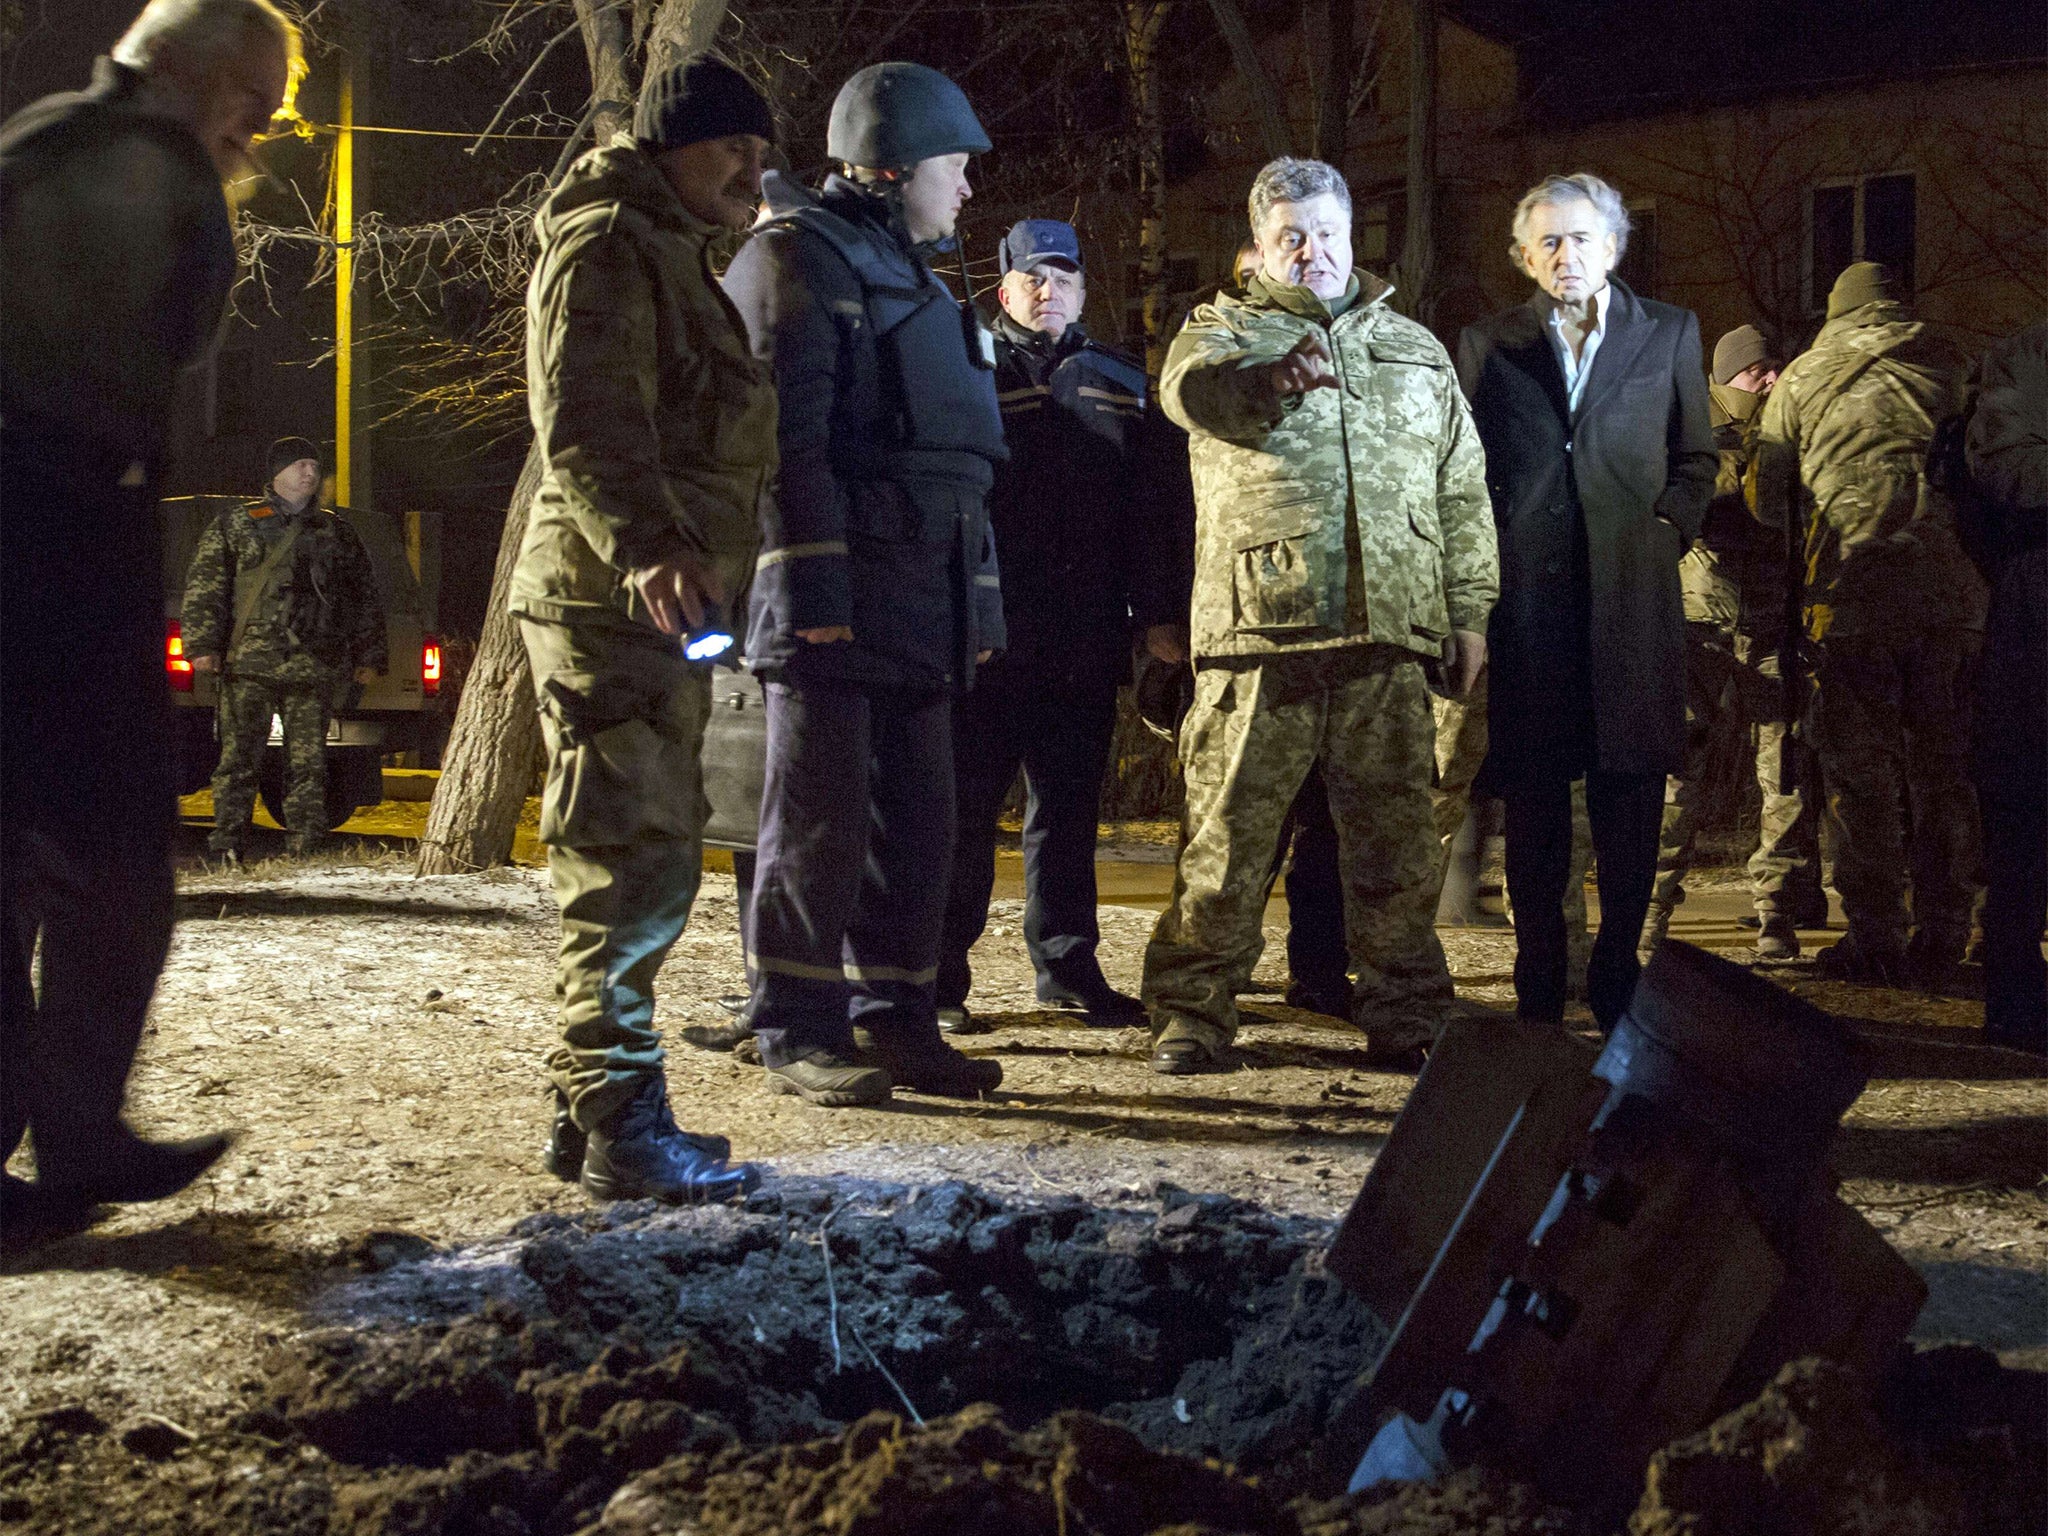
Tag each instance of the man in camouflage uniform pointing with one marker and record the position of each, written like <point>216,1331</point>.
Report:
<point>1344,548</point>
<point>282,601</point>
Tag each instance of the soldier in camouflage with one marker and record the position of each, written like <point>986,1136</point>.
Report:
<point>1344,549</point>
<point>657,430</point>
<point>282,602</point>
<point>1733,581</point>
<point>1894,615</point>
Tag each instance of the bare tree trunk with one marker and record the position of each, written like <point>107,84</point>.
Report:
<point>1274,133</point>
<point>1333,89</point>
<point>488,766</point>
<point>608,43</point>
<point>1142,21</point>
<point>682,30</point>
<point>1418,255</point>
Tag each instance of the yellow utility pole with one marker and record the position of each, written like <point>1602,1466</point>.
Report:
<point>344,285</point>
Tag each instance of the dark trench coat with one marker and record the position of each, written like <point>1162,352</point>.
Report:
<point>1586,650</point>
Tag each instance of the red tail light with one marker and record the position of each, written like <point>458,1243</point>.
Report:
<point>176,667</point>
<point>430,665</point>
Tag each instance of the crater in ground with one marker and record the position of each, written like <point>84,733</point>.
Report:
<point>836,1357</point>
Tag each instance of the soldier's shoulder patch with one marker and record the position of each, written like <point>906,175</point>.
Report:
<point>260,510</point>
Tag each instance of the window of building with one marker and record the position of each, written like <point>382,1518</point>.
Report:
<point>1639,262</point>
<point>1371,235</point>
<point>1872,218</point>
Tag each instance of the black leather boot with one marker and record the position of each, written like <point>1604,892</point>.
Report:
<point>567,1143</point>
<point>640,1153</point>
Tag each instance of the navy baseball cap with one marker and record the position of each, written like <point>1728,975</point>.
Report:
<point>1031,241</point>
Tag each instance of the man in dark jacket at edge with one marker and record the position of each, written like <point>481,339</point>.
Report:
<point>1592,405</point>
<point>1094,551</point>
<point>875,594</point>
<point>2008,459</point>
<point>115,265</point>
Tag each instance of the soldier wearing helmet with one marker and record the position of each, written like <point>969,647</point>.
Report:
<point>875,596</point>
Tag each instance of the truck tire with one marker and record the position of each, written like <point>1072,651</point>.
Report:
<point>353,773</point>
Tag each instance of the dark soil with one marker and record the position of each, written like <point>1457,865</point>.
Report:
<point>1166,1367</point>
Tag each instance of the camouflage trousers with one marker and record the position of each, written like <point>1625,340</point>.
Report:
<point>622,716</point>
<point>1364,718</point>
<point>1460,749</point>
<point>242,722</point>
<point>1891,726</point>
<point>1727,688</point>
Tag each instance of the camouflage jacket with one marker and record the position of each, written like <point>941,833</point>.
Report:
<point>1843,451</point>
<point>656,423</point>
<point>313,616</point>
<point>1340,517</point>
<point>1733,577</point>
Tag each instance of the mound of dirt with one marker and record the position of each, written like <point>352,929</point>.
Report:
<point>1955,1444</point>
<point>1079,1369</point>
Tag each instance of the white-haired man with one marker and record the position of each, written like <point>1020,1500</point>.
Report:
<point>1592,404</point>
<point>115,263</point>
<point>1342,550</point>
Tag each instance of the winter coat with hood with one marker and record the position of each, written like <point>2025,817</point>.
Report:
<point>1842,452</point>
<point>655,422</point>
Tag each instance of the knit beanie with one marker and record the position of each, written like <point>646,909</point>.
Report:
<point>1743,347</point>
<point>1864,282</point>
<point>697,100</point>
<point>289,450</point>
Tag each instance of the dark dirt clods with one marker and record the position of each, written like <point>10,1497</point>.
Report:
<point>1083,1371</point>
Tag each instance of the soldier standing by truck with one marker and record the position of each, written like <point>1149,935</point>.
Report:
<point>283,603</point>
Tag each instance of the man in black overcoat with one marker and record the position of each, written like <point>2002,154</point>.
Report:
<point>1592,405</point>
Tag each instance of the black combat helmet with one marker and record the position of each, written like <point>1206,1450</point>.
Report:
<point>896,114</point>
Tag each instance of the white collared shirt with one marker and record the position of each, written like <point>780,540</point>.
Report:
<point>1577,370</point>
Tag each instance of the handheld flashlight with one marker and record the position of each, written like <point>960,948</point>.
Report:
<point>710,640</point>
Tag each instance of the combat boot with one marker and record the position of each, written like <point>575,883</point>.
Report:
<point>1777,941</point>
<point>717,1037</point>
<point>563,1155</point>
<point>1181,1048</point>
<point>640,1153</point>
<point>930,1066</point>
<point>567,1143</point>
<point>825,1077</point>
<point>31,1216</point>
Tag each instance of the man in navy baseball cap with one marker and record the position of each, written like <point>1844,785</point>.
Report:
<point>1090,513</point>
<point>1032,242</point>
